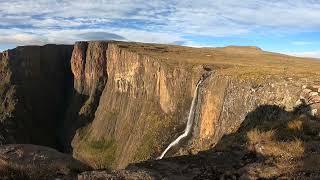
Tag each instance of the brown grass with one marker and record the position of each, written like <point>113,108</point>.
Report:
<point>232,60</point>
<point>295,125</point>
<point>256,136</point>
<point>266,144</point>
<point>281,147</point>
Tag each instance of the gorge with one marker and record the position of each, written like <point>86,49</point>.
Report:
<point>116,106</point>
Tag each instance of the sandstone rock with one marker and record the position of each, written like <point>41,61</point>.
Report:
<point>305,93</point>
<point>314,112</point>
<point>313,94</point>
<point>316,87</point>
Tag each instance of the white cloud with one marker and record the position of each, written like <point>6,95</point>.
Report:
<point>311,54</point>
<point>63,21</point>
<point>43,36</point>
<point>20,38</point>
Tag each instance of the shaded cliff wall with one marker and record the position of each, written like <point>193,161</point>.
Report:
<point>34,87</point>
<point>88,65</point>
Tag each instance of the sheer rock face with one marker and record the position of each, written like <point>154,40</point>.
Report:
<point>78,62</point>
<point>142,99</point>
<point>34,85</point>
<point>145,103</point>
<point>226,101</point>
<point>88,65</point>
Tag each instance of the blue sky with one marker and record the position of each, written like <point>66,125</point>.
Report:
<point>286,26</point>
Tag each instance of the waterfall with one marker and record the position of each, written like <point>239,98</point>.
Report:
<point>190,116</point>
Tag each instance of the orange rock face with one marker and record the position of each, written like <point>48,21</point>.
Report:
<point>88,64</point>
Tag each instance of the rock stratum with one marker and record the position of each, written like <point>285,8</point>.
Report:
<point>118,105</point>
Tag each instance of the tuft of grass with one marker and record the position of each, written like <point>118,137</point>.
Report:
<point>283,150</point>
<point>256,136</point>
<point>284,146</point>
<point>266,144</point>
<point>295,125</point>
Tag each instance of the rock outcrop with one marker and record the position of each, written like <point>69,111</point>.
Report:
<point>21,161</point>
<point>310,96</point>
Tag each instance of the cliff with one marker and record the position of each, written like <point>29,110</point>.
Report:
<point>146,99</point>
<point>34,85</point>
<point>142,99</point>
<point>112,103</point>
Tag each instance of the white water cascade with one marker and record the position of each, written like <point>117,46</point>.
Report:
<point>190,117</point>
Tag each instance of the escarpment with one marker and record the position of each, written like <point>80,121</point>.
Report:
<point>111,103</point>
<point>142,99</point>
<point>145,103</point>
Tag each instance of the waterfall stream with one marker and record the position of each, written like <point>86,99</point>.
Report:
<point>190,116</point>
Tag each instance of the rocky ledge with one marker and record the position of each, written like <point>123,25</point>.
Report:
<point>23,161</point>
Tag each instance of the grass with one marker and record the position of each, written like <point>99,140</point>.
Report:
<point>256,136</point>
<point>282,145</point>
<point>266,144</point>
<point>153,135</point>
<point>232,60</point>
<point>100,154</point>
<point>296,125</point>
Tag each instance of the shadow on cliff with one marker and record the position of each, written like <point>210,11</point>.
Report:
<point>271,142</point>
<point>80,113</point>
<point>72,121</point>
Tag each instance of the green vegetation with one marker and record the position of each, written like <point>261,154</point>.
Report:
<point>101,144</point>
<point>157,130</point>
<point>98,153</point>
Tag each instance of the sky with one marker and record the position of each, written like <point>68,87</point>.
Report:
<point>285,26</point>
